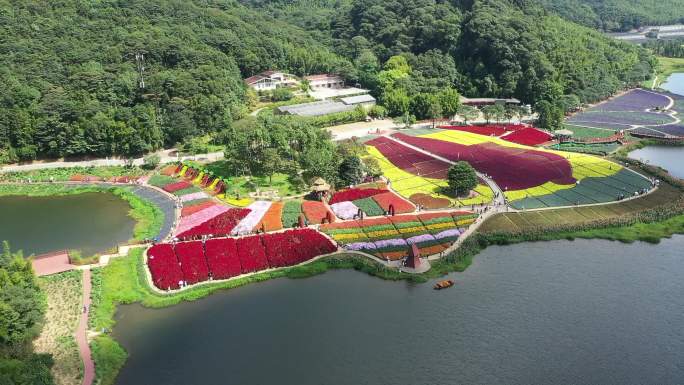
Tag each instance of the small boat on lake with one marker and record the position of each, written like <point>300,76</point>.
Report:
<point>443,284</point>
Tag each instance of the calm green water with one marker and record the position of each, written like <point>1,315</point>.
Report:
<point>91,222</point>
<point>667,157</point>
<point>582,312</point>
<point>674,84</point>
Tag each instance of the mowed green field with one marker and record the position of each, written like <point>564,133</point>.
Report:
<point>521,221</point>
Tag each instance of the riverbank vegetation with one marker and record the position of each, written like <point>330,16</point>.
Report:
<point>63,292</point>
<point>666,66</point>
<point>22,310</point>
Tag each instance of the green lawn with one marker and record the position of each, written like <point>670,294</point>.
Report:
<point>666,67</point>
<point>244,185</point>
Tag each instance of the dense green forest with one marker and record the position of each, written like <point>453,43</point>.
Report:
<point>481,47</point>
<point>618,15</point>
<point>72,70</point>
<point>667,48</point>
<point>22,306</point>
<point>71,83</point>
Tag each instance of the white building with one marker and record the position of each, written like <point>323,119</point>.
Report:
<point>270,80</point>
<point>324,81</point>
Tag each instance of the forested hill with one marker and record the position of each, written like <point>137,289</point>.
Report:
<point>483,47</point>
<point>70,82</point>
<point>618,15</point>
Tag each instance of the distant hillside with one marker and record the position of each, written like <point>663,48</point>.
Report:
<point>483,47</point>
<point>71,81</point>
<point>618,15</point>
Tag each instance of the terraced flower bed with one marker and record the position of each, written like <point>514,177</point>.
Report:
<point>391,237</point>
<point>187,263</point>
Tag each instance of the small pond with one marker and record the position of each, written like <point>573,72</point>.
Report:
<point>90,222</point>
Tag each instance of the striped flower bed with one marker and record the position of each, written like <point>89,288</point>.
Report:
<point>391,237</point>
<point>257,211</point>
<point>200,217</point>
<point>193,196</point>
<point>176,186</point>
<point>292,209</point>
<point>272,219</point>
<point>220,225</point>
<point>345,210</point>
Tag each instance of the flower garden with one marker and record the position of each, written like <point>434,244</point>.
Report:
<point>418,176</point>
<point>638,111</point>
<point>175,265</point>
<point>391,237</point>
<point>516,133</point>
<point>347,204</point>
<point>534,177</point>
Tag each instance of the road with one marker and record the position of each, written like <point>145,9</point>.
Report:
<point>166,157</point>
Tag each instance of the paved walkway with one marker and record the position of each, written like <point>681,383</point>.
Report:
<point>81,333</point>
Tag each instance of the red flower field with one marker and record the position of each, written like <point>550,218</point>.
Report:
<point>166,273</point>
<point>529,136</point>
<point>252,254</point>
<point>193,264</point>
<point>511,168</point>
<point>229,257</point>
<point>222,258</point>
<point>189,210</point>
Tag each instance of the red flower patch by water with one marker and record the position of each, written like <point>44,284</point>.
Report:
<point>164,268</point>
<point>295,246</point>
<point>222,258</point>
<point>252,254</point>
<point>194,265</point>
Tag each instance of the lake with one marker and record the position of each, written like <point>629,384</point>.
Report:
<point>667,157</point>
<point>90,222</point>
<point>674,83</point>
<point>561,312</point>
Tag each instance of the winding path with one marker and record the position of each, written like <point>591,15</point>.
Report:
<point>82,333</point>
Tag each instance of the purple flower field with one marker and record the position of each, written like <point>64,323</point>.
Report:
<point>623,117</point>
<point>635,100</point>
<point>675,130</point>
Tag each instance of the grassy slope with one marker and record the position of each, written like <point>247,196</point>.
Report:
<point>63,293</point>
<point>666,67</point>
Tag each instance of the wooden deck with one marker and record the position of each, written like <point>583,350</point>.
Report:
<point>52,263</point>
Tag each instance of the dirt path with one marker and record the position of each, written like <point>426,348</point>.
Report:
<point>81,333</point>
